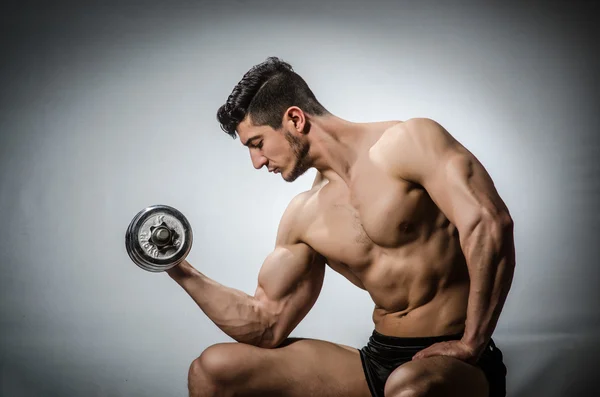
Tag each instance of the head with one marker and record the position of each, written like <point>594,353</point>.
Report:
<point>270,109</point>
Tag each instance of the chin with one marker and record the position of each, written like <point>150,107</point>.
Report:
<point>286,177</point>
<point>291,177</point>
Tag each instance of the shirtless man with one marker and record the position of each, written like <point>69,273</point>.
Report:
<point>403,211</point>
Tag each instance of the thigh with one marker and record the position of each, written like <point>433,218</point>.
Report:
<point>438,376</point>
<point>297,368</point>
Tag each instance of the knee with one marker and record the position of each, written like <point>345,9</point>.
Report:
<point>222,365</point>
<point>216,365</point>
<point>200,382</point>
<point>405,382</point>
<point>207,373</point>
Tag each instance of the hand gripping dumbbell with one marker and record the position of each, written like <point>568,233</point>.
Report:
<point>158,238</point>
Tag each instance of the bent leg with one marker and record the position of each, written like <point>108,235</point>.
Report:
<point>298,368</point>
<point>438,376</point>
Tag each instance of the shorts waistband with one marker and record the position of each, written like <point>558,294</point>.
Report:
<point>398,341</point>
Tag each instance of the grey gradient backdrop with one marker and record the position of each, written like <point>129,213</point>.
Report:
<point>109,107</point>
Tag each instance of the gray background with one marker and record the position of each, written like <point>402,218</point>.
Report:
<point>107,108</point>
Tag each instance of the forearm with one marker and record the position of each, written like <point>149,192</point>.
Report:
<point>236,313</point>
<point>490,254</point>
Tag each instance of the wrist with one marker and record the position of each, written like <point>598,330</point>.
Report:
<point>183,270</point>
<point>474,342</point>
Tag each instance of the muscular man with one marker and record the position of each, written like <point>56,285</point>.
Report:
<point>403,211</point>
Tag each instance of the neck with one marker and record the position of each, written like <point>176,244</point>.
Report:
<point>334,145</point>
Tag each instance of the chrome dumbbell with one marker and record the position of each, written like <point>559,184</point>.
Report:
<point>158,238</point>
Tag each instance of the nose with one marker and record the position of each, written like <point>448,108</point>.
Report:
<point>258,160</point>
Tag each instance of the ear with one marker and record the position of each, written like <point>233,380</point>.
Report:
<point>295,119</point>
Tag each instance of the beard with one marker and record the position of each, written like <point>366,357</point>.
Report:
<point>300,151</point>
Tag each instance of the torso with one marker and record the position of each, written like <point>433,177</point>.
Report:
<point>387,236</point>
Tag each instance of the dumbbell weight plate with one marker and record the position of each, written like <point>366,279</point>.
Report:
<point>158,238</point>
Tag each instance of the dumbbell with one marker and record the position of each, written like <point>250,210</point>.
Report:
<point>158,238</point>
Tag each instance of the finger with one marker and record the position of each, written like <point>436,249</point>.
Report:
<point>423,354</point>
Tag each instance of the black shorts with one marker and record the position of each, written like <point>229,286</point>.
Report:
<point>383,354</point>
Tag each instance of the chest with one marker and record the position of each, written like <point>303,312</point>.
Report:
<point>375,211</point>
<point>390,210</point>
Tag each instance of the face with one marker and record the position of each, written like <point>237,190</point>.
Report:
<point>282,151</point>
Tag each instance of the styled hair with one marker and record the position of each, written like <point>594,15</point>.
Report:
<point>265,92</point>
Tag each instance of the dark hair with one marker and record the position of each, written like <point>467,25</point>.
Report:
<point>265,92</point>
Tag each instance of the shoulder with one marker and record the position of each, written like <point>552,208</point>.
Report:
<point>296,218</point>
<point>411,147</point>
<point>416,131</point>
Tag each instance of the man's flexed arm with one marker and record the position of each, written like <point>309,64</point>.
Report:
<point>289,283</point>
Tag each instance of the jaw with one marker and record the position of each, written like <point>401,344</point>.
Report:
<point>296,171</point>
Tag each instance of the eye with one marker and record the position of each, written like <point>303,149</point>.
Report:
<point>259,145</point>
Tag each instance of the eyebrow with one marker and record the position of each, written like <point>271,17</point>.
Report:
<point>255,137</point>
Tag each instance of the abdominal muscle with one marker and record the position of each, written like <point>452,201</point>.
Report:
<point>414,296</point>
<point>445,314</point>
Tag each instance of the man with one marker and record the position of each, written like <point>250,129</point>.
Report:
<point>402,210</point>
